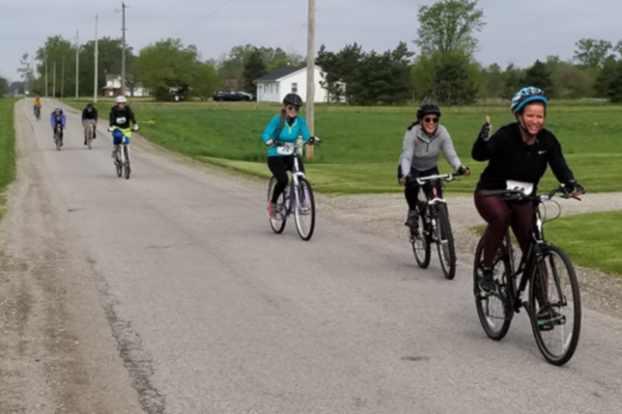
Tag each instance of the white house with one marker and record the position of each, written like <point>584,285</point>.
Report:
<point>273,86</point>
<point>113,87</point>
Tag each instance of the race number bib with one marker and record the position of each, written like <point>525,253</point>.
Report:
<point>121,120</point>
<point>523,187</point>
<point>286,149</point>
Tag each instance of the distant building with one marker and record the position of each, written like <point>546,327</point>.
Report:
<point>273,86</point>
<point>113,88</point>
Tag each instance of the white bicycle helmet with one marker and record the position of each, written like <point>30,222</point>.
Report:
<point>121,99</point>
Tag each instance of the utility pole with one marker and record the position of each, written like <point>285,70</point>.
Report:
<point>46,73</point>
<point>123,30</point>
<point>77,64</point>
<point>95,83</point>
<point>54,80</point>
<point>311,74</point>
<point>62,78</point>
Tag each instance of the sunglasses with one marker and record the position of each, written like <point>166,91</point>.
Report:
<point>431,119</point>
<point>292,108</point>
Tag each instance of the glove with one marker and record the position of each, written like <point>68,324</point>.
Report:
<point>314,140</point>
<point>404,179</point>
<point>573,187</point>
<point>269,142</point>
<point>462,170</point>
<point>135,127</point>
<point>484,132</point>
<point>110,129</point>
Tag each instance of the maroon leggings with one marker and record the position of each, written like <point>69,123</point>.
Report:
<point>500,214</point>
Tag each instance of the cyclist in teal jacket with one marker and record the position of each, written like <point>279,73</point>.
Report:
<point>284,127</point>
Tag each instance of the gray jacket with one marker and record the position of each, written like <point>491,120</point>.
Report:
<point>420,151</point>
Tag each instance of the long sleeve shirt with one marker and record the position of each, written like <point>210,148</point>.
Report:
<point>420,151</point>
<point>122,118</point>
<point>291,130</point>
<point>509,158</point>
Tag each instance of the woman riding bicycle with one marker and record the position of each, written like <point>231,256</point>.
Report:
<point>519,151</point>
<point>284,127</point>
<point>122,121</point>
<point>424,140</point>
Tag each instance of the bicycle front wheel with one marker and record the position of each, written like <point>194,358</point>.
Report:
<point>304,210</point>
<point>127,169</point>
<point>420,242</point>
<point>493,308</point>
<point>445,245</point>
<point>279,219</point>
<point>555,306</point>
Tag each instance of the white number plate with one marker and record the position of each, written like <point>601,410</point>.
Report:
<point>525,188</point>
<point>286,149</point>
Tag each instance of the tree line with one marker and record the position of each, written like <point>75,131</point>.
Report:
<point>443,68</point>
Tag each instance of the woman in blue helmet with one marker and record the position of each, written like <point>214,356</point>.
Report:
<point>520,151</point>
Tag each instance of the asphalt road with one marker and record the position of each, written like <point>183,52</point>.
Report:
<point>168,293</point>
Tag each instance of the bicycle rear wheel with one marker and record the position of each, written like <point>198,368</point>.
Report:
<point>304,210</point>
<point>277,223</point>
<point>420,242</point>
<point>493,309</point>
<point>555,306</point>
<point>445,244</point>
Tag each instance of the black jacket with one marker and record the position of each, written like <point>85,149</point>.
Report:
<point>122,118</point>
<point>92,114</point>
<point>509,158</point>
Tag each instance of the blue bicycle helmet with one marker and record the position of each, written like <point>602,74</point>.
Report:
<point>527,95</point>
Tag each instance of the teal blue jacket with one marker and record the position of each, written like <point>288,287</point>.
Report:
<point>288,133</point>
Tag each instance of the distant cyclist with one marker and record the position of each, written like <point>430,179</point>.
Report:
<point>519,151</point>
<point>424,140</point>
<point>121,117</point>
<point>57,118</point>
<point>89,117</point>
<point>36,106</point>
<point>284,127</point>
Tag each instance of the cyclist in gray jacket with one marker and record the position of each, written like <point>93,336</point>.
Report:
<point>424,140</point>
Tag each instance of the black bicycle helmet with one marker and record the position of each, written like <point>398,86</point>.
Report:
<point>427,109</point>
<point>292,99</point>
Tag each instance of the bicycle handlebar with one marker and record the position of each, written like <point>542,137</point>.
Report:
<point>518,195</point>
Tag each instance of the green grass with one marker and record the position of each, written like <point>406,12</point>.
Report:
<point>7,148</point>
<point>591,240</point>
<point>361,145</point>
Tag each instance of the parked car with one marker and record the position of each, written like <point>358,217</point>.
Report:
<point>233,96</point>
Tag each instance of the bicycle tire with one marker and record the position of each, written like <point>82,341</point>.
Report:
<point>277,223</point>
<point>420,243</point>
<point>127,169</point>
<point>500,299</point>
<point>551,272</point>
<point>445,245</point>
<point>304,207</point>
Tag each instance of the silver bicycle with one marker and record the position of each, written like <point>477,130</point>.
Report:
<point>297,198</point>
<point>122,156</point>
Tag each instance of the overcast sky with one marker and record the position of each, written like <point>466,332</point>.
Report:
<point>516,31</point>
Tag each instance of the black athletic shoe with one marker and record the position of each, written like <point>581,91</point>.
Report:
<point>411,219</point>
<point>486,280</point>
<point>548,317</point>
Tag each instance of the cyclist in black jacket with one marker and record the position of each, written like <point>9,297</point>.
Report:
<point>89,116</point>
<point>520,151</point>
<point>121,117</point>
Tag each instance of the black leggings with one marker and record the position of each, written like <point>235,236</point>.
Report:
<point>411,190</point>
<point>500,214</point>
<point>279,167</point>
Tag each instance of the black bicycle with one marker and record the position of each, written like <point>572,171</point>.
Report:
<point>433,227</point>
<point>553,303</point>
<point>58,136</point>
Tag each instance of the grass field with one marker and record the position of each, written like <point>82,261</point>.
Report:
<point>591,240</point>
<point>361,145</point>
<point>7,148</point>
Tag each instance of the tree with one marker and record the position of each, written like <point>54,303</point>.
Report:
<point>448,26</point>
<point>614,92</point>
<point>539,75</point>
<point>206,80</point>
<point>592,52</point>
<point>167,65</point>
<point>512,81</point>
<point>493,83</point>
<point>339,69</point>
<point>454,80</point>
<point>254,68</point>
<point>26,72</point>
<point>4,86</point>
<point>571,81</point>
<point>61,52</point>
<point>606,79</point>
